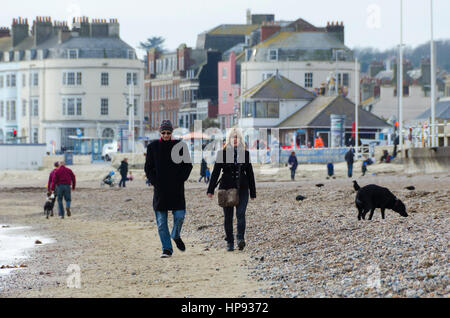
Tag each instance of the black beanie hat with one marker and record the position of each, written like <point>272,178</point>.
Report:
<point>166,125</point>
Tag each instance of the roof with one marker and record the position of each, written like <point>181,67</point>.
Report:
<point>317,114</point>
<point>234,29</point>
<point>89,47</point>
<point>278,87</point>
<point>303,40</point>
<point>314,46</point>
<point>442,111</point>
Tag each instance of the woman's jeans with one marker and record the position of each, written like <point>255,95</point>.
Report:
<point>123,180</point>
<point>240,215</point>
<point>63,191</point>
<point>292,174</point>
<point>163,228</point>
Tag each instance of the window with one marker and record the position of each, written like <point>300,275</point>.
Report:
<point>13,110</point>
<point>35,79</point>
<point>346,79</point>
<point>8,112</point>
<point>128,78</point>
<point>70,78</point>
<point>266,110</point>
<point>104,79</point>
<point>309,80</point>
<point>147,94</point>
<point>24,80</point>
<point>131,54</point>
<point>8,80</point>
<point>104,106</point>
<point>35,107</point>
<point>108,133</point>
<point>35,135</point>
<point>72,106</point>
<point>273,54</point>
<point>224,97</point>
<point>24,108</point>
<point>135,106</point>
<point>72,54</point>
<point>224,72</point>
<point>13,80</point>
<point>2,109</point>
<point>1,81</point>
<point>267,75</point>
<point>135,81</point>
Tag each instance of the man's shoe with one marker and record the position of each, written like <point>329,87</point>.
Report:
<point>230,247</point>
<point>241,244</point>
<point>68,211</point>
<point>51,213</point>
<point>62,217</point>
<point>180,244</point>
<point>166,254</point>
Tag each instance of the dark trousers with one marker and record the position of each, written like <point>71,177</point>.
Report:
<point>240,215</point>
<point>350,169</point>
<point>123,180</point>
<point>293,174</point>
<point>63,191</point>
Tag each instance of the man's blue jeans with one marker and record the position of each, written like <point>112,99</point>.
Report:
<point>63,191</point>
<point>350,169</point>
<point>163,228</point>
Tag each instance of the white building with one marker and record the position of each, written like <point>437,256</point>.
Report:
<point>308,58</point>
<point>76,78</point>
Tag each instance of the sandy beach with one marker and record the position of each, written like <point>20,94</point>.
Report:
<point>310,248</point>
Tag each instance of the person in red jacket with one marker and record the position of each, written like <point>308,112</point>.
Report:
<point>50,177</point>
<point>63,179</point>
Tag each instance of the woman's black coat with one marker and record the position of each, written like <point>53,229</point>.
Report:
<point>246,176</point>
<point>123,169</point>
<point>166,176</point>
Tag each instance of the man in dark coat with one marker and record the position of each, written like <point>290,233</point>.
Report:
<point>167,167</point>
<point>349,158</point>
<point>203,168</point>
<point>293,163</point>
<point>123,169</point>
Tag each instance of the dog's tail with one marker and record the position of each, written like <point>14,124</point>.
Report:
<point>356,185</point>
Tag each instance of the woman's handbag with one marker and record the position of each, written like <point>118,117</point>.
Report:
<point>229,197</point>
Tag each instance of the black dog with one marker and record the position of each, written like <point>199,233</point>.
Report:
<point>372,196</point>
<point>49,204</point>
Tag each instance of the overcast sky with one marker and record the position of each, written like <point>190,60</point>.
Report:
<point>372,23</point>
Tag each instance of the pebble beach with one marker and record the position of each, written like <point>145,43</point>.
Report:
<point>295,249</point>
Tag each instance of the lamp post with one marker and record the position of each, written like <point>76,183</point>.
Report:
<point>356,107</point>
<point>400,85</point>
<point>30,82</point>
<point>433,82</point>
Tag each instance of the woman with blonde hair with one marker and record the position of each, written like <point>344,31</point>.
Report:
<point>237,173</point>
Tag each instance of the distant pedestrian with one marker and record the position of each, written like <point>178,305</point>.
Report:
<point>207,175</point>
<point>349,158</point>
<point>63,179</point>
<point>364,166</point>
<point>318,142</point>
<point>168,175</point>
<point>203,168</point>
<point>330,170</point>
<point>293,163</point>
<point>123,169</point>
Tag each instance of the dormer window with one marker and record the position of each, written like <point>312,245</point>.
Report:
<point>72,54</point>
<point>131,54</point>
<point>273,55</point>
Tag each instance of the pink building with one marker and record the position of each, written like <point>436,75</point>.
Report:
<point>229,89</point>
